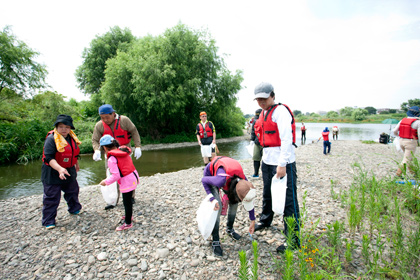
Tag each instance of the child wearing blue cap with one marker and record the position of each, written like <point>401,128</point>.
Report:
<point>122,170</point>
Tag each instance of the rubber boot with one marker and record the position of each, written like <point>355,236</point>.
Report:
<point>256,167</point>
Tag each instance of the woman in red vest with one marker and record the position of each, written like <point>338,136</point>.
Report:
<point>408,129</point>
<point>59,170</point>
<point>327,143</point>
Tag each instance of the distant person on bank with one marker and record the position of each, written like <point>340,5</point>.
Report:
<point>206,137</point>
<point>408,129</point>
<point>122,170</point>
<point>226,174</point>
<point>327,144</point>
<point>120,128</point>
<point>303,132</point>
<point>59,170</point>
<point>335,132</point>
<point>276,131</point>
<point>258,149</point>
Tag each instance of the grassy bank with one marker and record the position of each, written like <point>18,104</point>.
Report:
<point>348,119</point>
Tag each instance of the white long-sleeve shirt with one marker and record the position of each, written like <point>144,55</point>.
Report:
<point>286,153</point>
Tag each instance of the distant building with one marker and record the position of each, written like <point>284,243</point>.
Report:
<point>378,111</point>
<point>321,113</point>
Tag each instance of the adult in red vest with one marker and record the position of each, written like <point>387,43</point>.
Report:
<point>408,129</point>
<point>206,137</point>
<point>327,144</point>
<point>59,170</point>
<point>276,132</point>
<point>119,127</point>
<point>303,131</point>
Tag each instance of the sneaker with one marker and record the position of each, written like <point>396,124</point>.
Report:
<point>109,207</point>
<point>233,234</point>
<point>260,226</point>
<point>124,227</point>
<point>283,247</point>
<point>76,213</point>
<point>217,249</point>
<point>255,176</point>
<point>50,226</point>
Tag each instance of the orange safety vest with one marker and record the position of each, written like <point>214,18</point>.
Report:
<point>205,132</point>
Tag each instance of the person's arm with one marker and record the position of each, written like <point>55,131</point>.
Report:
<point>214,133</point>
<point>283,119</point>
<point>218,181</point>
<point>397,129</point>
<point>96,136</point>
<point>197,132</point>
<point>129,126</point>
<point>115,172</point>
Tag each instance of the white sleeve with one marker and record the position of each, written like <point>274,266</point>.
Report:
<point>283,119</point>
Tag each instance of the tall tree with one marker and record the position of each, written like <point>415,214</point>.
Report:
<point>163,82</point>
<point>91,74</point>
<point>411,102</point>
<point>19,71</point>
<point>371,110</point>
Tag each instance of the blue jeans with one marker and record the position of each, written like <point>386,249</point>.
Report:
<point>327,144</point>
<point>230,217</point>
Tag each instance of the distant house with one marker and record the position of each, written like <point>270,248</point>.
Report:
<point>378,111</point>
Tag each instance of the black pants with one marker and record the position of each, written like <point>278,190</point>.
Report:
<point>291,207</point>
<point>231,214</point>
<point>128,206</point>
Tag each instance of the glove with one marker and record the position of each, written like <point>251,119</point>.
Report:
<point>97,155</point>
<point>137,153</point>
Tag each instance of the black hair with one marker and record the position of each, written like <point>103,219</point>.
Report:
<point>272,94</point>
<point>114,144</point>
<point>231,193</point>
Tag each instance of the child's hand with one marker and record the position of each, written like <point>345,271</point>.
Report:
<point>102,183</point>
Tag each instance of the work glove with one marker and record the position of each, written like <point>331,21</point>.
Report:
<point>97,155</point>
<point>137,153</point>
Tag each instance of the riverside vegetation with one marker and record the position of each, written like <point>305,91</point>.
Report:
<point>357,223</point>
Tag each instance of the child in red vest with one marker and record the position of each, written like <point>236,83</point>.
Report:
<point>122,170</point>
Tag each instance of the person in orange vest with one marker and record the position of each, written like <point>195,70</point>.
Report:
<point>335,132</point>
<point>276,132</point>
<point>303,131</point>
<point>59,170</point>
<point>327,143</point>
<point>408,129</point>
<point>206,137</point>
<point>121,128</point>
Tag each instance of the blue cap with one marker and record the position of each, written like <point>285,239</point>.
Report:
<point>105,109</point>
<point>326,129</point>
<point>106,140</point>
<point>413,112</point>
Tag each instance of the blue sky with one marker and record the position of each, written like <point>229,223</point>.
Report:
<point>319,55</point>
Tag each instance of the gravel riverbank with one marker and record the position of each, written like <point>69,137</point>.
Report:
<point>165,242</point>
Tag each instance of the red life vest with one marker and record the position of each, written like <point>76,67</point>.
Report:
<point>267,131</point>
<point>68,158</point>
<point>325,135</point>
<point>406,131</point>
<point>303,128</point>
<point>207,132</point>
<point>122,136</point>
<point>232,167</point>
<point>124,161</point>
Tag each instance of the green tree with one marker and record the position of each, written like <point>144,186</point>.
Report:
<point>371,110</point>
<point>346,111</point>
<point>297,113</point>
<point>18,70</point>
<point>332,114</point>
<point>411,102</point>
<point>48,105</point>
<point>163,82</point>
<point>91,74</point>
<point>359,114</point>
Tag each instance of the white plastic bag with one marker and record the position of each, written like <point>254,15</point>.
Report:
<point>110,192</point>
<point>250,148</point>
<point>206,216</point>
<point>278,194</point>
<point>206,150</point>
<point>396,142</point>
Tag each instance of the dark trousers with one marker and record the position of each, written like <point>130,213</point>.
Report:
<point>303,136</point>
<point>327,144</point>
<point>230,217</point>
<point>128,206</point>
<point>291,207</point>
<point>51,200</point>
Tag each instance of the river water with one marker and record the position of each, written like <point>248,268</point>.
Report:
<point>24,180</point>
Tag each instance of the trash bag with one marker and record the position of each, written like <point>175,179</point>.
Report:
<point>250,148</point>
<point>206,150</point>
<point>397,144</point>
<point>278,194</point>
<point>110,192</point>
<point>206,216</point>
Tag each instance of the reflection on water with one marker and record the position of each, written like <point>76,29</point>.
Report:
<point>24,180</point>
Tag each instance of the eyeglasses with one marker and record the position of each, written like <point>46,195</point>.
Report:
<point>204,116</point>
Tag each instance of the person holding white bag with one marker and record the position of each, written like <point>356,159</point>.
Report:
<point>276,132</point>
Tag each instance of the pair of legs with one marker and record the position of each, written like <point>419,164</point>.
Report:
<point>128,206</point>
<point>51,200</point>
<point>291,207</point>
<point>335,135</point>
<point>256,157</point>
<point>327,144</point>
<point>303,137</point>
<point>408,146</point>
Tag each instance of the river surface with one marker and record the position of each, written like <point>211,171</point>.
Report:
<point>24,180</point>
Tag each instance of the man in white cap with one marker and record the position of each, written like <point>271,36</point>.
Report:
<point>118,126</point>
<point>276,132</point>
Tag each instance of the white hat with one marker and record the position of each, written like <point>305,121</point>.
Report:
<point>246,193</point>
<point>263,90</point>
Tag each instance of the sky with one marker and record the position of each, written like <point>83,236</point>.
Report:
<point>319,55</point>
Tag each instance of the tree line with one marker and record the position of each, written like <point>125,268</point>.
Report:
<point>161,83</point>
